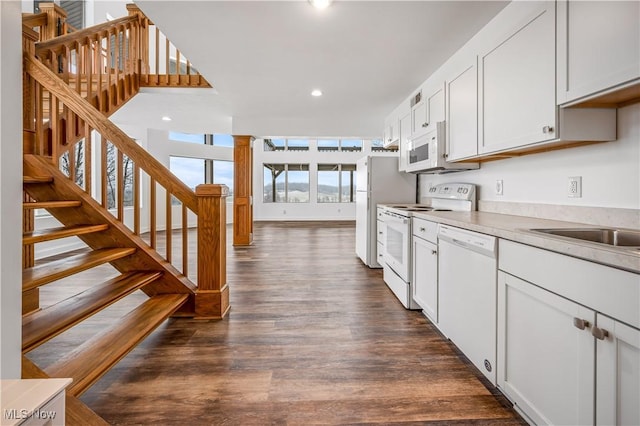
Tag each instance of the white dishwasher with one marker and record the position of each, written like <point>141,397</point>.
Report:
<point>468,291</point>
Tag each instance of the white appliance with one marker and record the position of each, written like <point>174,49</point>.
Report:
<point>378,180</point>
<point>398,232</point>
<point>467,282</point>
<point>427,153</point>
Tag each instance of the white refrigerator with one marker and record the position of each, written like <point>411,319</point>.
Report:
<point>378,181</point>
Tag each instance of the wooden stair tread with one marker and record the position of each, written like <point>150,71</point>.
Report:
<point>49,234</point>
<point>87,363</point>
<point>51,271</point>
<point>45,324</point>
<point>37,179</point>
<point>51,204</point>
<point>75,411</point>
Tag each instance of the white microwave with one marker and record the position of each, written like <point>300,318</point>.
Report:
<point>427,153</point>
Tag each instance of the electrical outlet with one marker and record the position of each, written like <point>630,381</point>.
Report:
<point>499,187</point>
<point>574,188</point>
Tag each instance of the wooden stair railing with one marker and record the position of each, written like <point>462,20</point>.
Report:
<point>129,210</point>
<point>127,171</point>
<point>107,64</point>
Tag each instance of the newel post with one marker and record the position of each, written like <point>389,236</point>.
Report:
<point>212,297</point>
<point>56,21</point>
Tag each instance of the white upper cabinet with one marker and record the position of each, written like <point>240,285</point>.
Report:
<point>462,112</point>
<point>517,80</point>
<point>391,131</point>
<point>430,110</point>
<point>598,47</point>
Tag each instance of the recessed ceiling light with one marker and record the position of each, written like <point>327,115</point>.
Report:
<point>316,92</point>
<point>166,118</point>
<point>320,4</point>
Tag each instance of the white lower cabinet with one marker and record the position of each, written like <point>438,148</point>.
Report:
<point>545,363</point>
<point>617,373</point>
<point>568,338</point>
<point>425,270</point>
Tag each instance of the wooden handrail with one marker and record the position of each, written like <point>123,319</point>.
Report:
<point>34,19</point>
<point>99,122</point>
<point>58,43</point>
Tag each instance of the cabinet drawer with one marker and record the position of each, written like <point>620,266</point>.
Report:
<point>425,229</point>
<point>613,292</point>
<point>381,232</point>
<point>380,253</point>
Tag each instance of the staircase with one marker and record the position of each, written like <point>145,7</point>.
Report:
<point>73,82</point>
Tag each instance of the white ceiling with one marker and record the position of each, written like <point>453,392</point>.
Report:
<point>264,58</point>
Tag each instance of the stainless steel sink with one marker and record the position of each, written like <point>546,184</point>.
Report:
<point>612,237</point>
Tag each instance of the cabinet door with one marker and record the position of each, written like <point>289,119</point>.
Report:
<point>617,374</point>
<point>425,277</point>
<point>598,46</point>
<point>405,142</point>
<point>419,118</point>
<point>462,113</point>
<point>545,363</point>
<point>517,82</point>
<point>426,113</point>
<point>435,106</point>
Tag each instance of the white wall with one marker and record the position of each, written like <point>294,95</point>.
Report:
<point>610,172</point>
<point>10,189</point>
<point>301,211</point>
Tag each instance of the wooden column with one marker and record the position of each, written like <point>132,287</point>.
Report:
<point>212,297</point>
<point>242,191</point>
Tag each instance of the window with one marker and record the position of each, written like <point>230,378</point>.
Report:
<point>286,183</point>
<point>298,183</point>
<point>328,145</point>
<point>286,145</point>
<point>297,145</point>
<point>112,178</point>
<point>274,145</point>
<point>186,137</point>
<point>223,174</point>
<point>223,140</point>
<point>351,145</point>
<point>339,144</point>
<point>377,145</point>
<point>191,171</point>
<point>336,183</point>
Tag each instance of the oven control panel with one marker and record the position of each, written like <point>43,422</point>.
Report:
<point>457,191</point>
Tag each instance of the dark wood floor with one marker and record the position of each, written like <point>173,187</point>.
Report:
<point>313,337</point>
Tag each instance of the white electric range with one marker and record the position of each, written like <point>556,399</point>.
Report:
<point>397,237</point>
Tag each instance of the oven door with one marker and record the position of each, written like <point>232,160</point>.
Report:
<point>396,245</point>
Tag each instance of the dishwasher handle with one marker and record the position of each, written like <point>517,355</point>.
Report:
<point>479,243</point>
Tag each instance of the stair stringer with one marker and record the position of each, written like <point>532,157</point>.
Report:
<point>117,235</point>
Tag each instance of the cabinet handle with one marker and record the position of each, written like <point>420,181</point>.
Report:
<point>434,252</point>
<point>380,232</point>
<point>547,129</point>
<point>425,124</point>
<point>422,229</point>
<point>599,333</point>
<point>445,155</point>
<point>580,323</point>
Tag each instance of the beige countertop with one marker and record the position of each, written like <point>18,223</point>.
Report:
<point>515,228</point>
